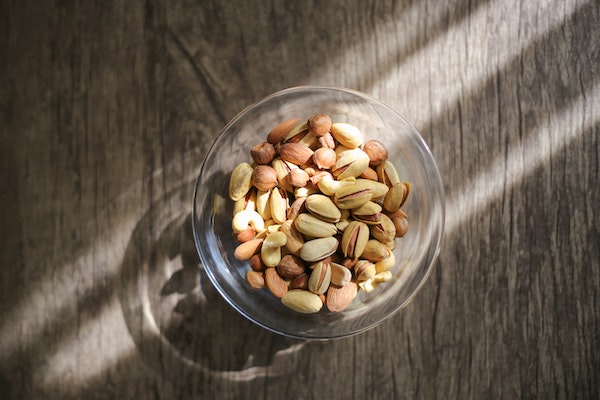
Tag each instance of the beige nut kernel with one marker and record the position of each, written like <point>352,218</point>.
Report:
<point>385,264</point>
<point>275,283</point>
<point>319,124</point>
<point>263,205</point>
<point>240,181</point>
<point>278,206</point>
<point>255,279</point>
<point>340,297</point>
<point>302,301</point>
<point>347,134</point>
<point>264,177</point>
<point>247,202</point>
<point>263,153</point>
<point>280,131</point>
<point>330,186</point>
<point>320,278</point>
<point>376,151</point>
<point>318,249</point>
<point>327,140</point>
<point>245,218</point>
<point>270,250</point>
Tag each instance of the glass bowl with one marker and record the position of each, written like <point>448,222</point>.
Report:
<point>415,253</point>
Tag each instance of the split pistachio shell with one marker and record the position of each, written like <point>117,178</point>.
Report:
<point>387,173</point>
<point>351,162</point>
<point>347,134</point>
<point>302,301</point>
<point>320,278</point>
<point>312,226</point>
<point>317,249</point>
<point>396,197</point>
<point>385,231</point>
<point>323,207</point>
<point>354,239</point>
<point>369,213</point>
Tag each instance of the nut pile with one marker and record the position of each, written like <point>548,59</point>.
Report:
<point>317,213</point>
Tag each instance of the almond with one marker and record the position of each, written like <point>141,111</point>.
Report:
<point>247,249</point>
<point>339,297</point>
<point>281,130</point>
<point>275,283</point>
<point>255,279</point>
<point>296,153</point>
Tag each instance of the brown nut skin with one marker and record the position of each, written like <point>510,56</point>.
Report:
<point>296,153</point>
<point>290,266</point>
<point>281,130</point>
<point>324,158</point>
<point>376,151</point>
<point>300,282</point>
<point>275,283</point>
<point>264,177</point>
<point>298,177</point>
<point>319,124</point>
<point>255,279</point>
<point>263,153</point>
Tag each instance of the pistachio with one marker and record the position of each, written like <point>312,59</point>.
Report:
<point>376,151</point>
<point>396,196</point>
<point>340,297</point>
<point>369,213</point>
<point>387,173</point>
<point>375,250</point>
<point>302,301</point>
<point>323,208</point>
<point>255,279</point>
<point>314,227</point>
<point>297,132</point>
<point>320,277</point>
<point>347,134</point>
<point>264,177</point>
<point>354,239</point>
<point>385,231</point>
<point>350,162</point>
<point>275,283</point>
<point>362,191</point>
<point>364,270</point>
<point>240,181</point>
<point>317,249</point>
<point>281,130</point>
<point>319,124</point>
<point>385,264</point>
<point>263,153</point>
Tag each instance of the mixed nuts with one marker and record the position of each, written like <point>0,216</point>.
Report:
<point>317,213</point>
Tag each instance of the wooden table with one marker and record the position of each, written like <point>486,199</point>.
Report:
<point>108,108</point>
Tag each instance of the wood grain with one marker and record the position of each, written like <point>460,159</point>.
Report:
<point>108,109</point>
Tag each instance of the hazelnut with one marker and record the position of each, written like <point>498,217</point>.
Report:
<point>324,157</point>
<point>376,151</point>
<point>319,124</point>
<point>263,153</point>
<point>298,177</point>
<point>264,177</point>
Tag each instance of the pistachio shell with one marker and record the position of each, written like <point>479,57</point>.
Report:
<point>375,250</point>
<point>347,134</point>
<point>385,231</point>
<point>350,162</point>
<point>322,207</point>
<point>369,213</point>
<point>354,239</point>
<point>312,226</point>
<point>302,301</point>
<point>387,173</point>
<point>396,196</point>
<point>317,249</point>
<point>320,277</point>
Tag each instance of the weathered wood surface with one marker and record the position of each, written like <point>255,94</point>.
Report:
<point>108,108</point>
